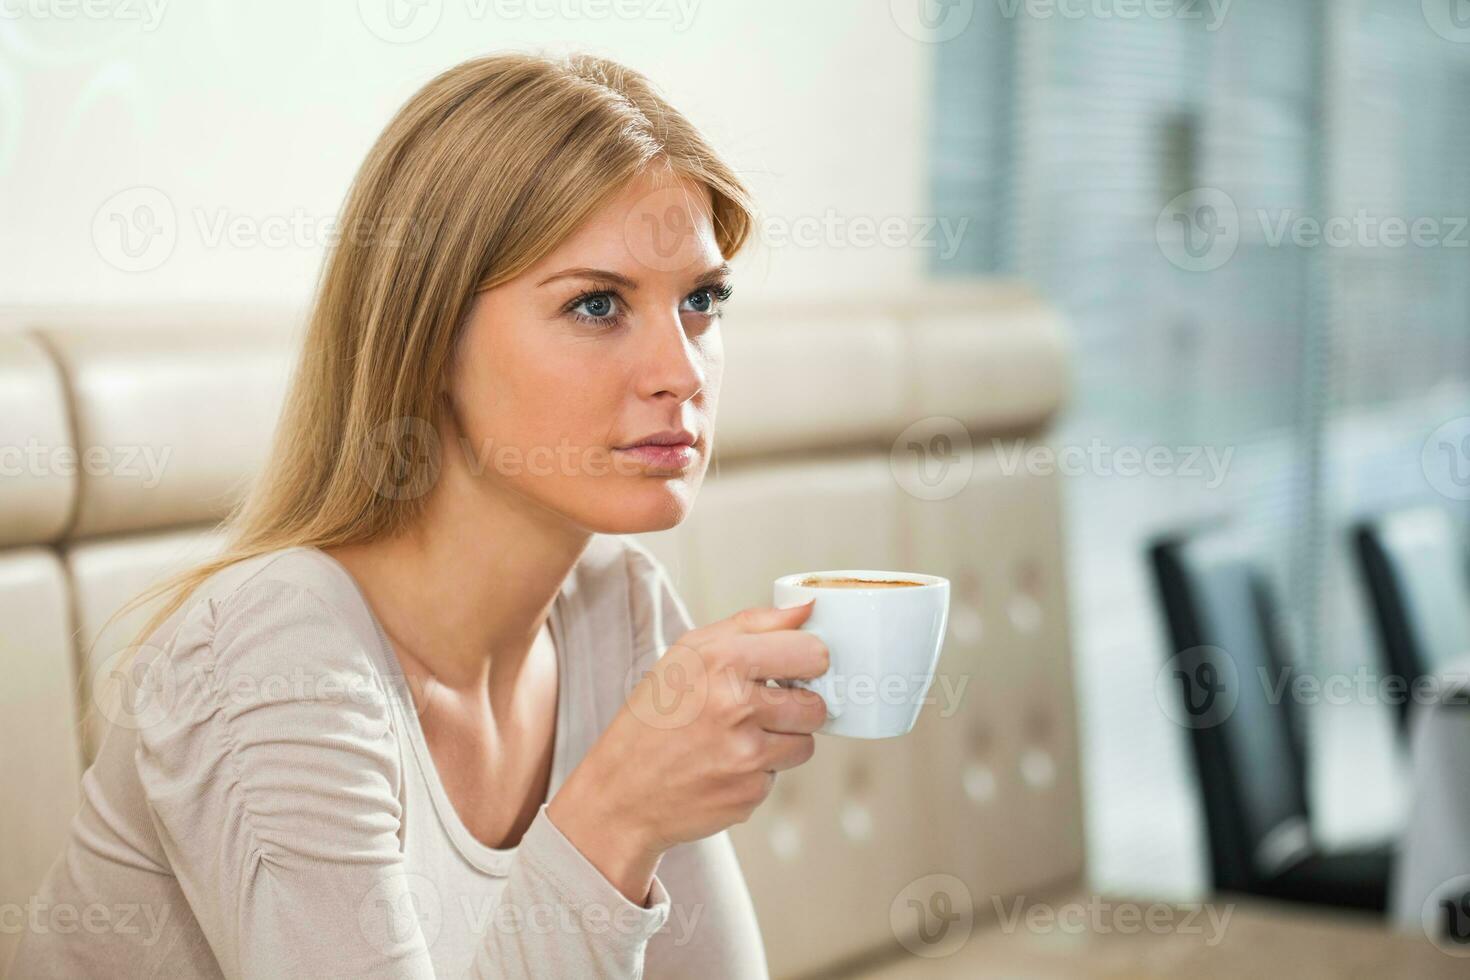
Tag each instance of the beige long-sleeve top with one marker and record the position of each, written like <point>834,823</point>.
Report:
<point>269,806</point>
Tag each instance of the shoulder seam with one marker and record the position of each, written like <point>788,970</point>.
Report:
<point>230,594</point>
<point>234,596</point>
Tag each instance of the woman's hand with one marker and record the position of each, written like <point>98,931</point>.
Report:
<point>697,744</point>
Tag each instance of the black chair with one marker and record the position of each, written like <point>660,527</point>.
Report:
<point>1413,567</point>
<point>1249,755</point>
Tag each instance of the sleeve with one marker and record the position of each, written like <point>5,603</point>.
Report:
<point>273,782</point>
<point>712,930</point>
<point>559,917</point>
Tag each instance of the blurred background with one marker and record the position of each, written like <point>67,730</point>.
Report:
<point>1221,200</point>
<point>1250,216</point>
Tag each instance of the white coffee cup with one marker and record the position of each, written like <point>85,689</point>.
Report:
<point>884,643</point>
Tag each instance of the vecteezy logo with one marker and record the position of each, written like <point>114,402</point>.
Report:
<point>1446,916</point>
<point>933,915</point>
<point>675,222</point>
<point>1198,688</point>
<point>1457,919</point>
<point>932,459</point>
<point>134,687</point>
<point>1209,686</point>
<point>400,21</point>
<point>399,909</point>
<point>401,458</point>
<point>669,693</point>
<point>660,230</point>
<point>1198,231</point>
<point>135,230</point>
<point>61,34</point>
<point>932,21</point>
<point>1450,19</point>
<point>1445,459</point>
<point>669,690</point>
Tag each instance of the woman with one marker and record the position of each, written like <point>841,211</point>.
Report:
<point>429,715</point>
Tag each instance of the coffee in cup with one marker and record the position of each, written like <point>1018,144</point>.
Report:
<point>849,582</point>
<point>884,632</point>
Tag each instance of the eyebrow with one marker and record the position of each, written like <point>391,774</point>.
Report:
<point>607,275</point>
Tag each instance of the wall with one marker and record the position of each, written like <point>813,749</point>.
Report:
<point>227,132</point>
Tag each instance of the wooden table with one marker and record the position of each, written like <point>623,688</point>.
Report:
<point>1105,938</point>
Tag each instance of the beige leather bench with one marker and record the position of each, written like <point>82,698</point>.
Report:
<point>841,441</point>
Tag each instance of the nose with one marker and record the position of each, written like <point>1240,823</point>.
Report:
<point>671,365</point>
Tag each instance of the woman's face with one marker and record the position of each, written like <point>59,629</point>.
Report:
<point>611,339</point>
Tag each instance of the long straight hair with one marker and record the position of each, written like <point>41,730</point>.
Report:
<point>484,171</point>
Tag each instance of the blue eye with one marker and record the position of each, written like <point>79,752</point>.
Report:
<point>597,307</point>
<point>603,307</point>
<point>708,299</point>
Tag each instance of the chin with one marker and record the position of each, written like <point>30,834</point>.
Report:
<point>640,505</point>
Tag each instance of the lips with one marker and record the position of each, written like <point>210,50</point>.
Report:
<point>663,457</point>
<point>669,437</point>
<point>672,450</point>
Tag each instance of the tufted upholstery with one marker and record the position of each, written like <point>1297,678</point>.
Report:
<point>175,409</point>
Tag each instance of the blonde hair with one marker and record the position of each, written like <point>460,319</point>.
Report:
<point>483,171</point>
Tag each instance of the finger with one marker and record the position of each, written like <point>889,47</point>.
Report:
<point>788,751</point>
<point>762,619</point>
<point>781,655</point>
<point>789,710</point>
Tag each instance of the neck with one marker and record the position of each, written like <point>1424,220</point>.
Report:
<point>467,589</point>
